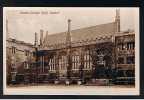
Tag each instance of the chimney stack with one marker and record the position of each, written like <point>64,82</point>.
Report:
<point>36,40</point>
<point>45,42</point>
<point>41,37</point>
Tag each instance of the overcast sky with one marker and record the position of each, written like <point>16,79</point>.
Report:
<point>24,22</point>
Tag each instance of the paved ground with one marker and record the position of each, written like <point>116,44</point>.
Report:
<point>67,86</point>
<point>70,90</point>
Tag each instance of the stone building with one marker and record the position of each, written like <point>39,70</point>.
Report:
<point>86,55</point>
<point>18,55</point>
<point>100,54</point>
<point>125,56</point>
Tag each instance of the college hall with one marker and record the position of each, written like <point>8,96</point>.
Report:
<point>95,55</point>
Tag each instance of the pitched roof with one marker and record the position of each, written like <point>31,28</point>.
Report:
<point>82,34</point>
<point>19,42</point>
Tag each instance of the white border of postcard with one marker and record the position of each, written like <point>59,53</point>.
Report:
<point>72,91</point>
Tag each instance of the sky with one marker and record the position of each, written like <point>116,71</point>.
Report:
<point>24,22</point>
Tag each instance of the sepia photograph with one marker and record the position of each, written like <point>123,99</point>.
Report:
<point>71,51</point>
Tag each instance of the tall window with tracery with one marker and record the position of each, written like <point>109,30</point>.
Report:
<point>52,64</point>
<point>87,60</point>
<point>130,45</point>
<point>62,63</point>
<point>75,61</point>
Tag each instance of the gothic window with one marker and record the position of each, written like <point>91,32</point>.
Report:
<point>130,60</point>
<point>78,61</point>
<point>42,63</point>
<point>130,45</point>
<point>52,64</point>
<point>87,60</point>
<point>75,62</point>
<point>62,62</point>
<point>120,60</point>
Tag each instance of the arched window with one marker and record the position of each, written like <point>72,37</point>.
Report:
<point>75,62</point>
<point>52,63</point>
<point>87,60</point>
<point>63,62</point>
